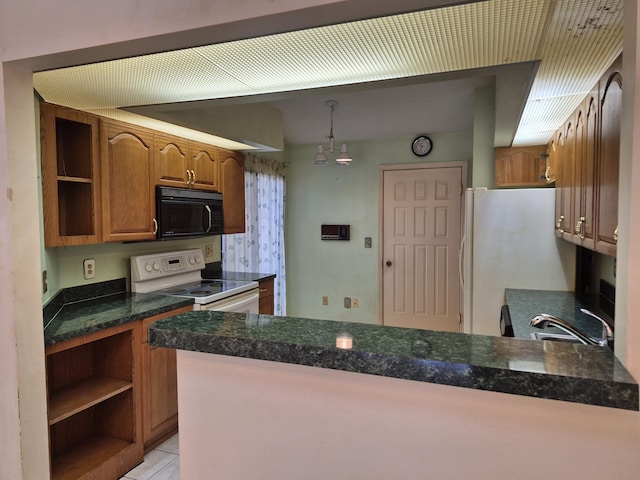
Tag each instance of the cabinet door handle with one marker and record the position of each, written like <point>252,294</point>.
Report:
<point>615,235</point>
<point>559,224</point>
<point>579,229</point>
<point>155,226</point>
<point>193,178</point>
<point>263,290</point>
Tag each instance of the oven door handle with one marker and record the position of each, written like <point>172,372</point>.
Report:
<point>210,221</point>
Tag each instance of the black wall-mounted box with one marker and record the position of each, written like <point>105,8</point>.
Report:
<point>335,232</point>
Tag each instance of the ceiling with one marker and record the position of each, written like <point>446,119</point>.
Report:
<point>392,76</point>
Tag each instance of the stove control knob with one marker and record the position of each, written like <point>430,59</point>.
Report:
<point>198,260</point>
<point>156,266</point>
<point>192,260</point>
<point>148,267</point>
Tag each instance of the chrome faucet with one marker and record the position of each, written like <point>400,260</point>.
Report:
<point>607,329</point>
<point>545,320</point>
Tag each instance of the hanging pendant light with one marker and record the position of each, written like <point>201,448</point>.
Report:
<point>344,158</point>
<point>321,158</point>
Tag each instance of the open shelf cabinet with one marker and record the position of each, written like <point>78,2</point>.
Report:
<point>70,176</point>
<point>93,405</point>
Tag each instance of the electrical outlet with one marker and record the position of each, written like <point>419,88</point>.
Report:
<point>325,300</point>
<point>89,268</point>
<point>355,303</point>
<point>208,250</point>
<point>347,302</point>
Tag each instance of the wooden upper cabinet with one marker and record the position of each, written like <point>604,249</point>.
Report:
<point>563,185</point>
<point>99,177</point>
<point>127,182</point>
<point>567,161</point>
<point>554,150</point>
<point>587,153</point>
<point>609,161</point>
<point>70,176</point>
<point>521,166</point>
<point>172,165</point>
<point>232,188</point>
<point>203,166</point>
<point>585,163</point>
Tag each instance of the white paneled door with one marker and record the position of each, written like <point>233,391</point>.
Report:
<point>421,228</point>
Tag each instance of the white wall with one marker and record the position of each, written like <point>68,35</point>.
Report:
<point>514,246</point>
<point>9,407</point>
<point>335,194</point>
<point>248,419</point>
<point>484,122</point>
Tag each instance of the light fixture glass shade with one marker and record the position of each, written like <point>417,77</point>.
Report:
<point>344,158</point>
<point>320,158</point>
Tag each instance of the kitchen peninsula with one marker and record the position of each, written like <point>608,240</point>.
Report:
<point>284,397</point>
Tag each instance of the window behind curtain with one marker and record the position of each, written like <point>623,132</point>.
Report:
<point>261,248</point>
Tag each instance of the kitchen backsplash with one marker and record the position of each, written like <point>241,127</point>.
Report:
<point>64,265</point>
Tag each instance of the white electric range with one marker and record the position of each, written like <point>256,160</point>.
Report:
<point>178,274</point>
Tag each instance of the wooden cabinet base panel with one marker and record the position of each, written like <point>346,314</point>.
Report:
<point>112,456</point>
<point>169,431</point>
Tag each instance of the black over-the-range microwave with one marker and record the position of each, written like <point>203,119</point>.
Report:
<point>184,213</point>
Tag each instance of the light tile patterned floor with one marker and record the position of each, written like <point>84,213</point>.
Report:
<point>162,463</point>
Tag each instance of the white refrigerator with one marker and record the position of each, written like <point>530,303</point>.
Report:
<point>509,242</point>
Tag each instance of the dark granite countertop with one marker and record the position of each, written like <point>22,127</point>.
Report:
<point>81,310</point>
<point>525,304</point>
<point>561,371</point>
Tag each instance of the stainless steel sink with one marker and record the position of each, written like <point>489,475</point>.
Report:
<point>554,337</point>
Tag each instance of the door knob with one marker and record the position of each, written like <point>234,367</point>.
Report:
<point>388,263</point>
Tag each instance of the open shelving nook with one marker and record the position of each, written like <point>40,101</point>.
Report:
<point>70,176</point>
<point>94,419</point>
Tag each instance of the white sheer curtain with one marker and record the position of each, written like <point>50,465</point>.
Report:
<point>261,248</point>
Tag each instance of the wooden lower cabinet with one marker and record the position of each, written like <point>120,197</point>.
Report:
<point>94,411</point>
<point>159,387</point>
<point>109,395</point>
<point>266,297</point>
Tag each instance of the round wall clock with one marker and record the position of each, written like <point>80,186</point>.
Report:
<point>421,146</point>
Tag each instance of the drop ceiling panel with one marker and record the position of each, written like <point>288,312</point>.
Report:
<point>581,40</point>
<point>575,40</point>
<point>158,78</point>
